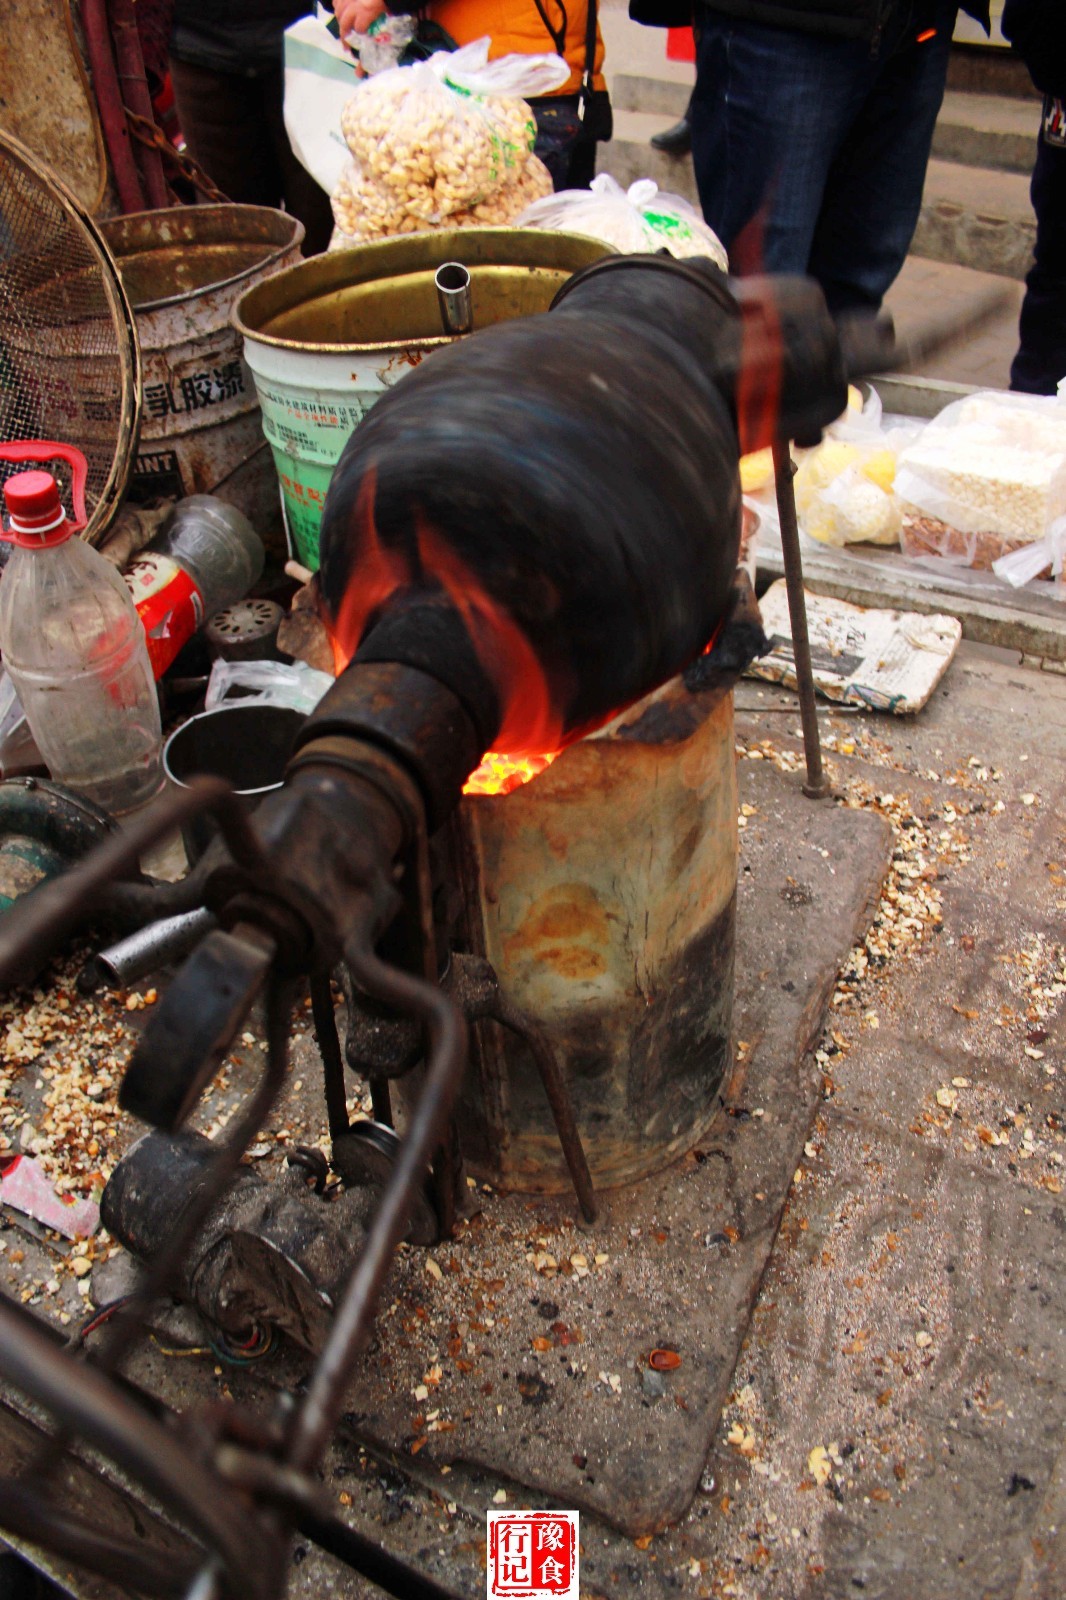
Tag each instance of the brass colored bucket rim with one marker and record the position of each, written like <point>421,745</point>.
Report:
<point>149,223</point>
<point>320,275</point>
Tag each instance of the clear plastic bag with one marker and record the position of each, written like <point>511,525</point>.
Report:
<point>383,43</point>
<point>441,136</point>
<point>987,476</point>
<point>845,488</point>
<point>1031,561</point>
<point>634,221</point>
<point>364,209</point>
<point>276,683</point>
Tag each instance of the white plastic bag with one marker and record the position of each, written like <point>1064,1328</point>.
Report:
<point>845,487</point>
<point>320,76</point>
<point>518,76</point>
<point>987,476</point>
<point>276,683</point>
<point>634,221</point>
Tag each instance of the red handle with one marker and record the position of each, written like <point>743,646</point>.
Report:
<point>18,450</point>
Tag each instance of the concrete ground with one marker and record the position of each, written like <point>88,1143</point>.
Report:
<point>893,1426</point>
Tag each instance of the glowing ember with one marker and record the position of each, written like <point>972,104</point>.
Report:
<point>500,774</point>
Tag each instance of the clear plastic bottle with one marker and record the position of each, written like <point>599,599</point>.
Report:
<point>207,557</point>
<point>76,652</point>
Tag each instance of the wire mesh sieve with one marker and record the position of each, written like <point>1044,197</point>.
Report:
<point>69,360</point>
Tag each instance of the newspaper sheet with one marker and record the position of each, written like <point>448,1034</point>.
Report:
<point>887,660</point>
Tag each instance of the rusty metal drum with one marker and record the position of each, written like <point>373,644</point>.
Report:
<point>182,271</point>
<point>604,894</point>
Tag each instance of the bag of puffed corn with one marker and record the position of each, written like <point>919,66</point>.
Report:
<point>366,209</point>
<point>445,135</point>
<point>987,476</point>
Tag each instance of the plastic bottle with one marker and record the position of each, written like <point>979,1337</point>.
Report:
<point>76,652</point>
<point>207,558</point>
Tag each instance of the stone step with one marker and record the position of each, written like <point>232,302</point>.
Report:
<point>990,70</point>
<point>977,218</point>
<point>974,217</point>
<point>976,130</point>
<point>987,130</point>
<point>629,156</point>
<point>649,93</point>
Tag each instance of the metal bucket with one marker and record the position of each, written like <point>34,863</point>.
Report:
<point>604,895</point>
<point>182,269</point>
<point>248,745</point>
<point>325,339</point>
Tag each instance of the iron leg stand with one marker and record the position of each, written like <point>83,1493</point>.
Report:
<point>817,784</point>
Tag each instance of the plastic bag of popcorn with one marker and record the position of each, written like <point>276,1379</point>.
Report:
<point>987,476</point>
<point>503,208</point>
<point>446,134</point>
<point>846,487</point>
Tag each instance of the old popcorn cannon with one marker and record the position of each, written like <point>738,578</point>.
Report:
<point>533,532</point>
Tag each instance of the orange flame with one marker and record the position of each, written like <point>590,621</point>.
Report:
<point>380,573</point>
<point>499,774</point>
<point>531,730</point>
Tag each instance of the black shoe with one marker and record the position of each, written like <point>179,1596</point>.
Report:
<point>676,141</point>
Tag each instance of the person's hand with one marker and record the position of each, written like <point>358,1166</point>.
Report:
<point>355,16</point>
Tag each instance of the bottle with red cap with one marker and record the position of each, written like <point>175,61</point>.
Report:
<point>76,651</point>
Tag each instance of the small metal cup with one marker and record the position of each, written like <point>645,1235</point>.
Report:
<point>248,745</point>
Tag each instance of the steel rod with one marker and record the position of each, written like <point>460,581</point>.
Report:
<point>329,1048</point>
<point>373,1561</point>
<point>317,1415</point>
<point>559,1099</point>
<point>817,785</point>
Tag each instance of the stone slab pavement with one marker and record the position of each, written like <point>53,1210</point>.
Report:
<point>894,1425</point>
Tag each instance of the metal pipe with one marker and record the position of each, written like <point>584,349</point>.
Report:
<point>133,86</point>
<point>454,298</point>
<point>31,931</point>
<point>109,102</point>
<point>145,951</point>
<point>817,785</point>
<point>317,1416</point>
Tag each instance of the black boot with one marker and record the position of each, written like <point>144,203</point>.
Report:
<point>676,141</point>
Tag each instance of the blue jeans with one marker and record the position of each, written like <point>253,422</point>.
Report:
<point>810,151</point>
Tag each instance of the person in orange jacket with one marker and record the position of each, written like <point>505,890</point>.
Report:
<point>570,122</point>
